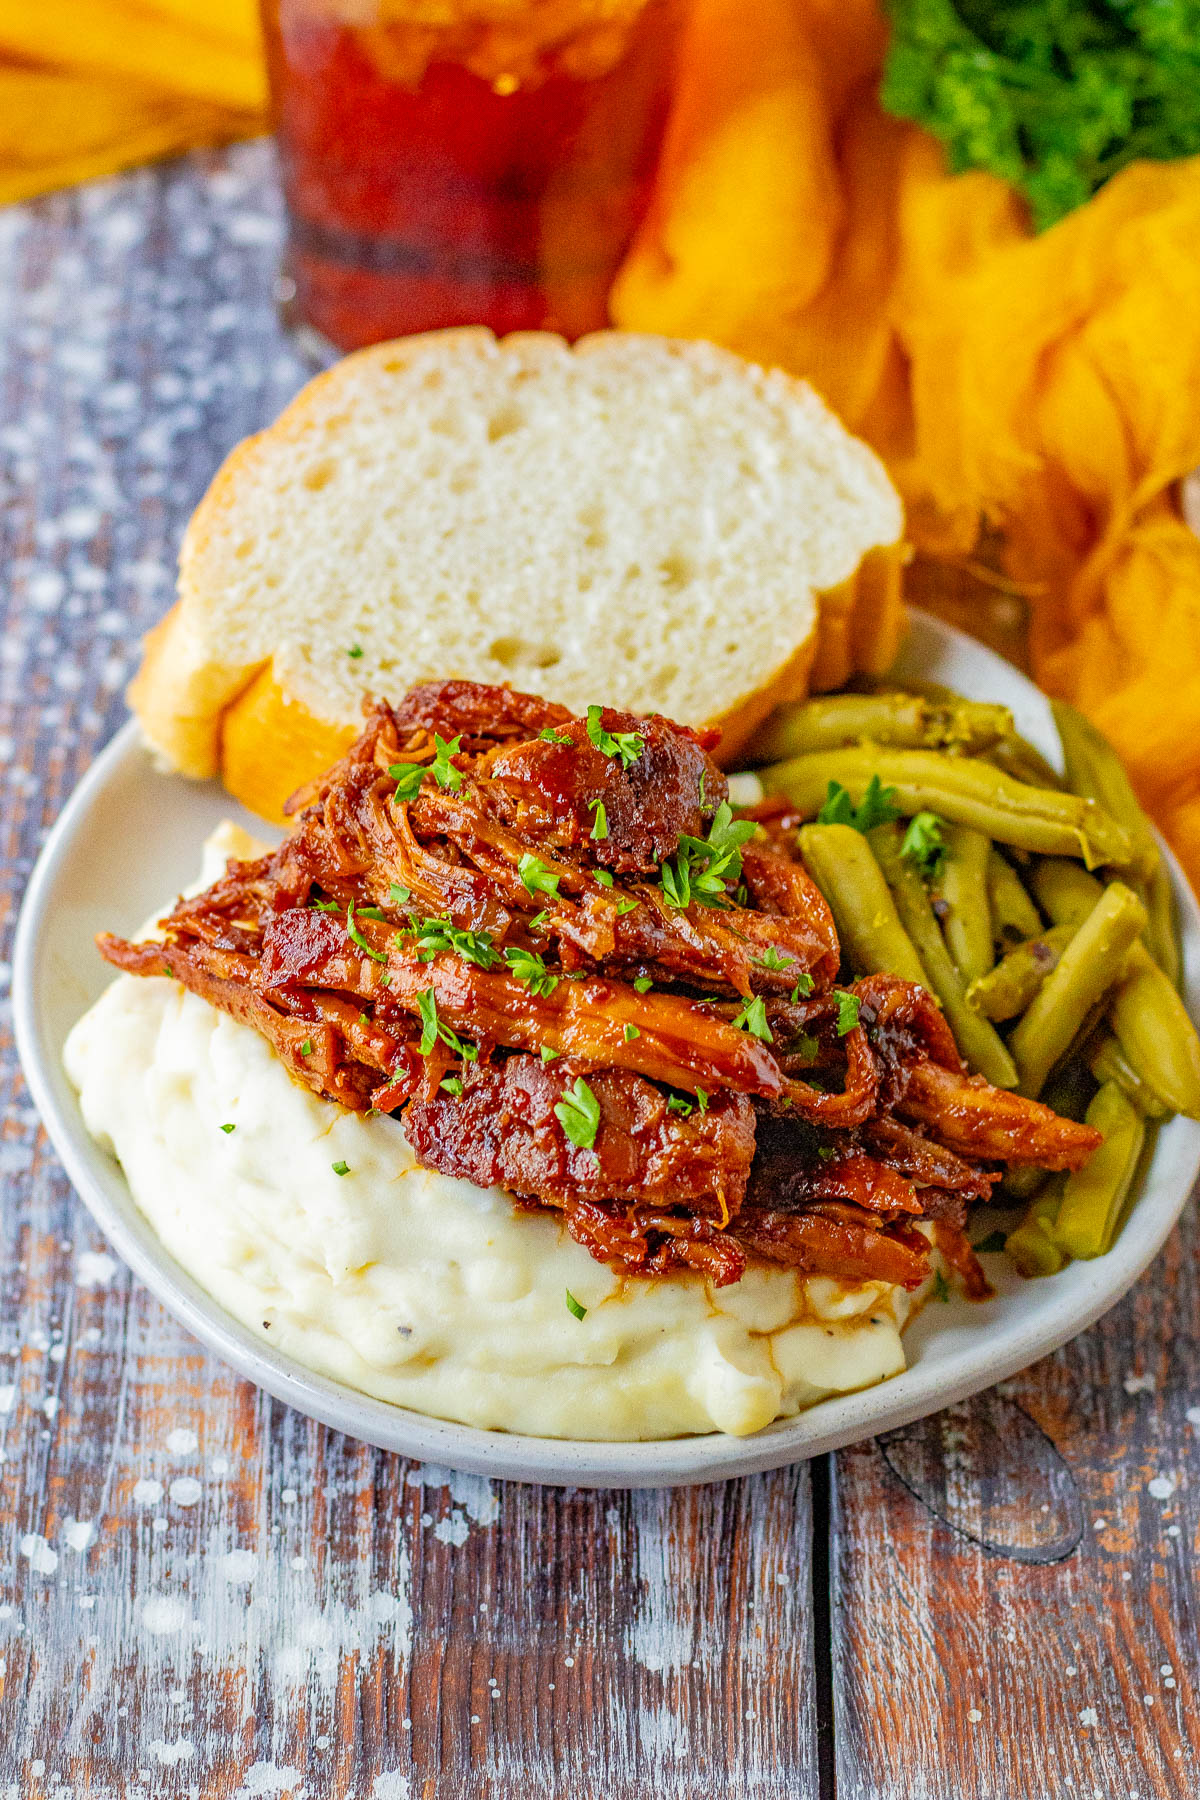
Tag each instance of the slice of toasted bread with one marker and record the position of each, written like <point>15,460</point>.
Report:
<point>635,520</point>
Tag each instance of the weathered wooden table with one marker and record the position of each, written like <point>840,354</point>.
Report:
<point>204,1594</point>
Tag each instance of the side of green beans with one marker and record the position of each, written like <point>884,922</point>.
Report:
<point>964,790</point>
<point>1019,977</point>
<point>1032,1245</point>
<point>1108,1062</point>
<point>968,921</point>
<point>827,721</point>
<point>843,865</point>
<point>1149,1019</point>
<point>1090,964</point>
<point>978,1042</point>
<point>1093,1197</point>
<point>1015,919</point>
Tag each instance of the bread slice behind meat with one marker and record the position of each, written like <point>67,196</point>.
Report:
<point>634,520</point>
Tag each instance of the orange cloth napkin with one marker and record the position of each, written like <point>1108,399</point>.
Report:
<point>89,86</point>
<point>1040,393</point>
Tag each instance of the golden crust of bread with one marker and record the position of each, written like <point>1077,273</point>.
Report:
<point>270,746</point>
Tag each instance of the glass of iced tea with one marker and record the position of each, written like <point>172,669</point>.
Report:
<point>451,162</point>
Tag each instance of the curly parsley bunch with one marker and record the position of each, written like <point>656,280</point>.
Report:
<point>1054,95</point>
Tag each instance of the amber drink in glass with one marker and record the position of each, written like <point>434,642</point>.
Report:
<point>452,162</point>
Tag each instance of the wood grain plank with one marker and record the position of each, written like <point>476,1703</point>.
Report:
<point>202,1593</point>
<point>1014,1594</point>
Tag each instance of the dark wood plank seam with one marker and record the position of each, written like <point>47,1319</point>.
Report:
<point>821,1576</point>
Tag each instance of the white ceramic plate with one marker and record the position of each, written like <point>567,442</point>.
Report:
<point>131,835</point>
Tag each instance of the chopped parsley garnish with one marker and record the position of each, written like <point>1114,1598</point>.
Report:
<point>679,1103</point>
<point>602,876</point>
<point>826,1152</point>
<point>432,1029</point>
<point>847,1005</point>
<point>408,777</point>
<point>631,1032</point>
<point>576,1310</point>
<point>453,1085</point>
<point>433,936</point>
<point>804,1047</point>
<point>753,1018</point>
<point>356,936</point>
<point>370,912</point>
<point>643,984</point>
<point>399,895</point>
<point>228,1128</point>
<point>548,735</point>
<point>803,987</point>
<point>626,906</point>
<point>702,1099</point>
<point>329,906</point>
<point>441,768</point>
<point>306,1048</point>
<point>702,867</point>
<point>625,744</point>
<point>538,921</point>
<point>341,1168</point>
<point>548,1055</point>
<point>538,877</point>
<point>924,844</point>
<point>995,1240</point>
<point>875,808</point>
<point>941,1287</point>
<point>168,970</point>
<point>578,1112</point>
<point>771,959</point>
<point>527,966</point>
<point>599,821</point>
<point>355,650</point>
<point>1054,99</point>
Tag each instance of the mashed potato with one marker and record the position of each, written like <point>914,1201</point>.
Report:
<point>423,1290</point>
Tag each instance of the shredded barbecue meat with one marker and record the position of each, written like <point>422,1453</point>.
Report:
<point>548,944</point>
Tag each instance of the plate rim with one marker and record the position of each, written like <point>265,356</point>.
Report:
<point>683,1461</point>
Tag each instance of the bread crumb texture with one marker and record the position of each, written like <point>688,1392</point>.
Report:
<point>635,520</point>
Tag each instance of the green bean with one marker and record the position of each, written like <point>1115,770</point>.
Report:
<point>1019,977</point>
<point>1095,771</point>
<point>1108,1062</point>
<point>1031,1245</point>
<point>1025,762</point>
<point>1152,1026</point>
<point>1064,891</point>
<point>1162,925</point>
<point>842,864</point>
<point>1146,1013</point>
<point>1021,1183</point>
<point>964,790</point>
<point>1090,964</point>
<point>978,1042</point>
<point>1015,918</point>
<point>1093,1197</point>
<point>963,883</point>
<point>829,720</point>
